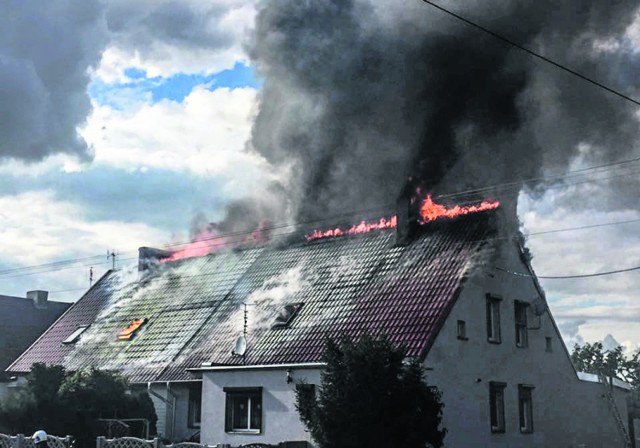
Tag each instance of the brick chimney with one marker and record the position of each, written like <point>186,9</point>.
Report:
<point>149,256</point>
<point>39,298</point>
<point>407,211</point>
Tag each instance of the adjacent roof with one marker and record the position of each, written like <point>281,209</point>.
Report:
<point>21,323</point>
<point>347,285</point>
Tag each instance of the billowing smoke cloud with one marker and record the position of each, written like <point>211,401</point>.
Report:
<point>46,49</point>
<point>360,94</point>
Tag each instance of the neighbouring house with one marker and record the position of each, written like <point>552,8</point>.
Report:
<point>22,321</point>
<point>223,341</point>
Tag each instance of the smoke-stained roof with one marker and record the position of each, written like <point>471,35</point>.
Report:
<point>347,285</point>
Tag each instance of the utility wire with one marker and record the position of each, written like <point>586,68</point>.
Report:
<point>533,53</point>
<point>559,277</point>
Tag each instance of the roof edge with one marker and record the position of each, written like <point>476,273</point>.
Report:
<point>44,333</point>
<point>223,368</point>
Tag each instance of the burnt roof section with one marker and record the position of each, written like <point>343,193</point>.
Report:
<point>348,285</point>
<point>21,323</point>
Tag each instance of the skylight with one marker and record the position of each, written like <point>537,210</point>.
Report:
<point>75,336</point>
<point>286,315</point>
<point>127,333</point>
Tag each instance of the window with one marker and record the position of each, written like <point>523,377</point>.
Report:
<point>548,344</point>
<point>496,401</point>
<point>243,410</point>
<point>127,333</point>
<point>493,319</point>
<point>462,330</point>
<point>525,407</point>
<point>195,405</point>
<point>286,315</point>
<point>521,323</point>
<point>75,336</point>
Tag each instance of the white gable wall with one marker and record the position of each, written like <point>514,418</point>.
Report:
<point>566,411</point>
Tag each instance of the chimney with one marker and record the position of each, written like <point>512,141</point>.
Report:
<point>39,298</point>
<point>406,213</point>
<point>149,256</point>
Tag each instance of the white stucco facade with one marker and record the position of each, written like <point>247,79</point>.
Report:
<point>280,421</point>
<point>567,411</point>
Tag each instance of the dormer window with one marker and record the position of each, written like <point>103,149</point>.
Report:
<point>286,315</point>
<point>127,333</point>
<point>75,336</point>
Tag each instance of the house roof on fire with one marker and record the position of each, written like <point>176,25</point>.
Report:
<point>21,322</point>
<point>296,295</point>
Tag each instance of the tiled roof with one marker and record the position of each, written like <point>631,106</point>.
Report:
<point>21,323</point>
<point>195,311</point>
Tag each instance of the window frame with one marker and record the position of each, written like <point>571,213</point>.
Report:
<point>520,323</point>
<point>497,411</point>
<point>525,402</point>
<point>76,335</point>
<point>461,330</point>
<point>194,415</point>
<point>236,393</point>
<point>494,331</point>
<point>548,344</point>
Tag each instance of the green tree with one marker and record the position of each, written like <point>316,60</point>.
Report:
<point>592,358</point>
<point>71,403</point>
<point>371,396</point>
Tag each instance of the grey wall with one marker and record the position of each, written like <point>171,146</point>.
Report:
<point>567,412</point>
<point>172,425</point>
<point>280,421</point>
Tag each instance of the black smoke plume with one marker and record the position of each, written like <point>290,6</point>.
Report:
<point>360,94</point>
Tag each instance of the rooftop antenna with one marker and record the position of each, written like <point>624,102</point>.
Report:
<point>241,343</point>
<point>90,276</point>
<point>113,256</point>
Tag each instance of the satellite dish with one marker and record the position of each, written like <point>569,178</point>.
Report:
<point>240,347</point>
<point>539,306</point>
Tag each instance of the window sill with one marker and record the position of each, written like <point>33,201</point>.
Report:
<point>463,338</point>
<point>494,341</point>
<point>497,431</point>
<point>250,432</point>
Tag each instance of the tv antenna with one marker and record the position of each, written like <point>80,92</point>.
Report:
<point>90,276</point>
<point>240,347</point>
<point>112,254</point>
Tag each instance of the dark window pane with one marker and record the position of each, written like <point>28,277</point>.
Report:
<point>256,412</point>
<point>240,412</point>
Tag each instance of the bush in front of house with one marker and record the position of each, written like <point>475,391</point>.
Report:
<point>371,396</point>
<point>71,403</point>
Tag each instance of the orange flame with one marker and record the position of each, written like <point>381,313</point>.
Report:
<point>208,241</point>
<point>429,211</point>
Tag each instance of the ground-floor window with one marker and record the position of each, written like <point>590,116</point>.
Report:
<point>496,402</point>
<point>243,409</point>
<point>525,404</point>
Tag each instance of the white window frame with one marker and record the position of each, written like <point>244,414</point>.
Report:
<point>250,394</point>
<point>522,336</point>
<point>493,319</point>
<point>525,408</point>
<point>496,402</point>
<point>75,336</point>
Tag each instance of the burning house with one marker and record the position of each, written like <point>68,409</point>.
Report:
<point>222,341</point>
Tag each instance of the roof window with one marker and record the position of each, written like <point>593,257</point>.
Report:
<point>75,336</point>
<point>127,333</point>
<point>287,314</point>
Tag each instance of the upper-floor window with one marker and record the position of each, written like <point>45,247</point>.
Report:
<point>462,330</point>
<point>493,319</point>
<point>548,347</point>
<point>496,403</point>
<point>243,411</point>
<point>521,323</point>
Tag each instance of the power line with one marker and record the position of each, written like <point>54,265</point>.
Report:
<point>558,277</point>
<point>584,227</point>
<point>533,53</point>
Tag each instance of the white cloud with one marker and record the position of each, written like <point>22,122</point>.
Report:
<point>206,134</point>
<point>170,36</point>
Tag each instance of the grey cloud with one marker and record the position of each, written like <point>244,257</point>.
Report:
<point>358,97</point>
<point>46,49</point>
<point>146,26</point>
